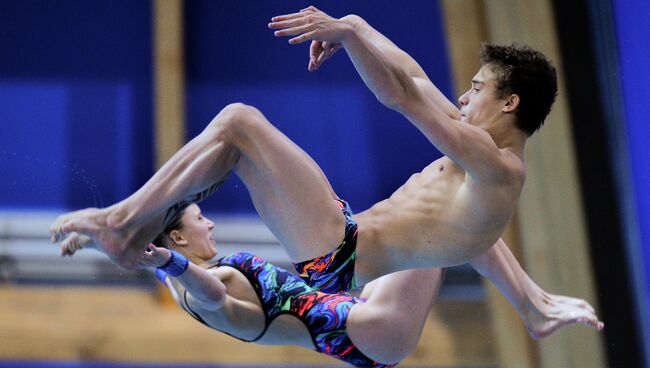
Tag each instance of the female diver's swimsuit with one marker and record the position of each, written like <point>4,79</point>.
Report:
<point>281,292</point>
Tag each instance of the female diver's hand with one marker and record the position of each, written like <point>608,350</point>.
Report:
<point>155,257</point>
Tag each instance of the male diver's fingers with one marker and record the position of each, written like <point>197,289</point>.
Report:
<point>302,38</point>
<point>576,302</point>
<point>293,30</point>
<point>315,48</point>
<point>289,23</point>
<point>321,58</point>
<point>326,46</point>
<point>310,8</point>
<point>328,52</point>
<point>592,322</point>
<point>281,18</point>
<point>587,306</point>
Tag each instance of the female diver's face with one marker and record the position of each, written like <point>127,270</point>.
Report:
<point>197,231</point>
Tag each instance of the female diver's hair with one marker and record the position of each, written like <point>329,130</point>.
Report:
<point>163,240</point>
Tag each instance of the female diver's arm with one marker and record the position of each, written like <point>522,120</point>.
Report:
<point>204,290</point>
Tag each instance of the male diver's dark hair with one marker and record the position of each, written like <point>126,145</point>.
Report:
<point>162,240</point>
<point>527,73</point>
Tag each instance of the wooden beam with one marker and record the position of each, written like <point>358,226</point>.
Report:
<point>169,89</point>
<point>513,347</point>
<point>169,83</point>
<point>552,228</point>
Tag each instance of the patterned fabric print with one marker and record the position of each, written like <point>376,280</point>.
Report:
<point>325,316</point>
<point>274,286</point>
<point>334,272</point>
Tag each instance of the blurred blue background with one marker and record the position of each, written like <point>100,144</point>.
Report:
<point>77,102</point>
<point>76,97</point>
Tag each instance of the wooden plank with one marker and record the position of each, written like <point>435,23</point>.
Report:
<point>130,325</point>
<point>551,214</point>
<point>513,347</point>
<point>169,85</point>
<point>464,41</point>
<point>169,78</point>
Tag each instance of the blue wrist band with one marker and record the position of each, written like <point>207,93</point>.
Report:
<point>160,274</point>
<point>176,265</point>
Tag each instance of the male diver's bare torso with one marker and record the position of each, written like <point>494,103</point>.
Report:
<point>439,217</point>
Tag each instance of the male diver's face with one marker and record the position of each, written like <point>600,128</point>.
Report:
<point>479,105</point>
<point>197,230</point>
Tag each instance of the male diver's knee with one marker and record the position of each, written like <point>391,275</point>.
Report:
<point>236,109</point>
<point>235,116</point>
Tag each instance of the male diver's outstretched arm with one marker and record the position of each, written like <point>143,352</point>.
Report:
<point>399,86</point>
<point>320,51</point>
<point>542,312</point>
<point>383,77</point>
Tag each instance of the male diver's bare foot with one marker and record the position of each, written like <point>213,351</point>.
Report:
<point>106,231</point>
<point>548,312</point>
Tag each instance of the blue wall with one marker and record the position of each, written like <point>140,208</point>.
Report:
<point>75,102</point>
<point>633,33</point>
<point>366,150</point>
<point>76,96</point>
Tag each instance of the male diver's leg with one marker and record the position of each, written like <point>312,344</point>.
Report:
<point>396,309</point>
<point>289,190</point>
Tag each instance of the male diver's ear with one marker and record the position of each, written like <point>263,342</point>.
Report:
<point>177,238</point>
<point>512,103</point>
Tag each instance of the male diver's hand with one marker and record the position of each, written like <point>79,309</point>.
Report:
<point>155,257</point>
<point>325,32</point>
<point>319,51</point>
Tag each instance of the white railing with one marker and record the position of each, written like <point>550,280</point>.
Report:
<point>26,253</point>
